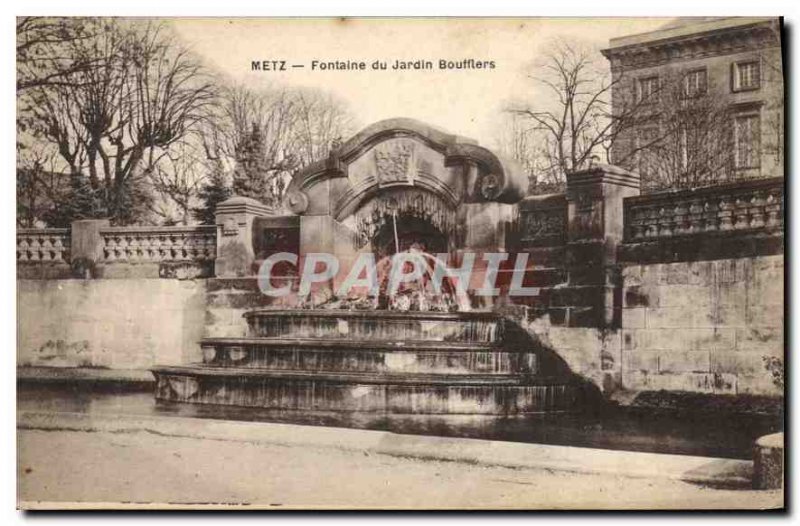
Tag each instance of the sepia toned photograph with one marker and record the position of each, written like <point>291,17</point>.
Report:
<point>400,263</point>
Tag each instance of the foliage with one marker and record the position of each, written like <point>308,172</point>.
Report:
<point>269,134</point>
<point>117,119</point>
<point>212,193</point>
<point>774,365</point>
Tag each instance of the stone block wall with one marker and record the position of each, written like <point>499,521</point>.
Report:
<point>692,299</point>
<point>703,326</point>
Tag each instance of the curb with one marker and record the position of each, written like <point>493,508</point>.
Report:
<point>44,375</point>
<point>719,472</point>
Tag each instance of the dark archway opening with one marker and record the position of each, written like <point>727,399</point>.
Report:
<point>412,232</point>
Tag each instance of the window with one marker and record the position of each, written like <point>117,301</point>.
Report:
<point>746,75</point>
<point>747,141</point>
<point>695,83</point>
<point>647,89</point>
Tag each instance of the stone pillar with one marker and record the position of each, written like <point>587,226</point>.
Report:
<point>768,462</point>
<point>86,247</point>
<point>594,230</point>
<point>486,225</point>
<point>323,234</point>
<point>485,228</point>
<point>234,219</point>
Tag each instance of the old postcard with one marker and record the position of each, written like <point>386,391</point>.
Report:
<point>400,263</point>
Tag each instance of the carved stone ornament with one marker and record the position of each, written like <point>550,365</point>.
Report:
<point>490,186</point>
<point>297,202</point>
<point>543,224</point>
<point>394,162</point>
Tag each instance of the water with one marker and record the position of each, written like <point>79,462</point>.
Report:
<point>630,429</point>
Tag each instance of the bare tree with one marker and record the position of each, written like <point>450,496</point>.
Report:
<point>177,180</point>
<point>571,121</point>
<point>253,131</point>
<point>122,103</point>
<point>321,119</point>
<point>41,60</point>
<point>684,140</point>
<point>519,139</point>
<point>114,121</point>
<point>40,184</point>
<point>269,134</point>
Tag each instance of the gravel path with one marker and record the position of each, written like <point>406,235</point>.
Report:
<point>142,467</point>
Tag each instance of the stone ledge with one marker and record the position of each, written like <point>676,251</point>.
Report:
<point>703,402</point>
<point>703,470</point>
<point>85,375</point>
<point>702,247</point>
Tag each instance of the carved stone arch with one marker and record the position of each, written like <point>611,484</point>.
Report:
<point>356,197</point>
<point>403,152</point>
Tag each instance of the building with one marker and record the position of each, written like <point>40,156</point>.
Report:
<point>699,100</point>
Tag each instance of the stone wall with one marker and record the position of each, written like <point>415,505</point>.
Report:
<point>691,296</point>
<point>109,323</point>
<point>681,291</point>
<point>703,289</point>
<point>703,327</point>
<point>707,326</point>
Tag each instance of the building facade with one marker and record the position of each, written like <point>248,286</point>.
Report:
<point>699,101</point>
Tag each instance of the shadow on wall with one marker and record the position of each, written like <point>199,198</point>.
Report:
<point>550,365</point>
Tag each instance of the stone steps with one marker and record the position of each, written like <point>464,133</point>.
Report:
<point>376,325</point>
<point>361,377</point>
<point>399,393</point>
<point>376,361</point>
<point>367,356</point>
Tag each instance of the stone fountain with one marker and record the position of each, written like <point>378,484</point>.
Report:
<point>397,185</point>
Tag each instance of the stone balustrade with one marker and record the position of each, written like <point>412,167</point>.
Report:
<point>736,207</point>
<point>41,245</point>
<point>93,249</point>
<point>159,244</point>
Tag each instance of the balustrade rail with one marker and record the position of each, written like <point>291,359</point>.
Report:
<point>159,244</point>
<point>122,244</point>
<point>742,207</point>
<point>36,245</point>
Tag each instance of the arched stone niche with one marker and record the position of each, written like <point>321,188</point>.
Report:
<point>403,152</point>
<point>429,174</point>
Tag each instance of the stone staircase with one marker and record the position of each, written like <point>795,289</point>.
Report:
<point>375,361</point>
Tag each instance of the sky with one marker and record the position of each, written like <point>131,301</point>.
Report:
<point>465,102</point>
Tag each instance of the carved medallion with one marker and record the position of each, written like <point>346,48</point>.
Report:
<point>490,186</point>
<point>394,162</point>
<point>297,202</point>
